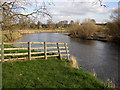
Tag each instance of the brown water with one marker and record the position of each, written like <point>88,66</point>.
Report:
<point>101,57</point>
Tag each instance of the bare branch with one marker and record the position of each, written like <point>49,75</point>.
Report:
<point>11,13</point>
<point>100,2</point>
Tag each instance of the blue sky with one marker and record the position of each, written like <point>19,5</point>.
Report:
<point>77,10</point>
<point>81,10</point>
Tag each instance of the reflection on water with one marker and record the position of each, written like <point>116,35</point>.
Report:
<point>102,57</point>
<point>85,42</point>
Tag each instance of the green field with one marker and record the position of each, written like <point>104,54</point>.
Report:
<point>51,73</point>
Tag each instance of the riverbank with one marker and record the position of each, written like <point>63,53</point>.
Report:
<point>65,32</point>
<point>42,31</point>
<point>52,73</point>
<point>98,36</point>
<point>82,53</point>
<point>13,35</point>
<point>103,38</point>
<point>16,34</point>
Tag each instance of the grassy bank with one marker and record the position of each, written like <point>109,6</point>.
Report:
<point>52,73</point>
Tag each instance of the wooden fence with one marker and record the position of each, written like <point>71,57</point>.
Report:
<point>45,50</point>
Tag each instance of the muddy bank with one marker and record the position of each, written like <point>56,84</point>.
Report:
<point>98,38</point>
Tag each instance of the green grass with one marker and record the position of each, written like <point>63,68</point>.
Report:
<point>51,73</point>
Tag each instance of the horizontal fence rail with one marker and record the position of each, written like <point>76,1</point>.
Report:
<point>43,50</point>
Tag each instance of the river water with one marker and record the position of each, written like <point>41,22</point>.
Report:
<point>92,56</point>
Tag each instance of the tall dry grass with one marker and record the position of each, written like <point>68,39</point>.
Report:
<point>74,62</point>
<point>10,35</point>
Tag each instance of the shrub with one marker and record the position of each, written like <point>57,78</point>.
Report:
<point>85,31</point>
<point>74,29</point>
<point>88,29</point>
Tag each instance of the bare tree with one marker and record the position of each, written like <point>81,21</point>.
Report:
<point>115,14</point>
<point>50,24</point>
<point>11,11</point>
<point>39,25</point>
<point>114,26</point>
<point>100,2</point>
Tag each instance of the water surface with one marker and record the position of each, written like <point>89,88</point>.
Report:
<point>93,56</point>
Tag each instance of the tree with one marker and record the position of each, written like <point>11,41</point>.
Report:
<point>33,25</point>
<point>24,22</point>
<point>11,11</point>
<point>65,24</point>
<point>93,20</point>
<point>114,26</point>
<point>51,24</point>
<point>39,25</point>
<point>62,24</point>
<point>85,30</point>
<point>71,22</point>
<point>88,29</point>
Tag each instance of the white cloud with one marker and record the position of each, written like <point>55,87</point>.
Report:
<point>81,0</point>
<point>78,10</point>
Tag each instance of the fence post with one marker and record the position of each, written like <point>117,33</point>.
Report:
<point>45,50</point>
<point>2,52</point>
<point>66,51</point>
<point>29,51</point>
<point>59,51</point>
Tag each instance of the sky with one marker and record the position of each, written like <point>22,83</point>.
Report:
<point>76,10</point>
<point>79,10</point>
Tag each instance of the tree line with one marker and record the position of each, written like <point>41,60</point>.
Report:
<point>13,18</point>
<point>89,30</point>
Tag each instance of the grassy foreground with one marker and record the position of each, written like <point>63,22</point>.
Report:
<point>51,73</point>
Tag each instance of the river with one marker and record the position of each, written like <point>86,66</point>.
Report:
<point>92,56</point>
